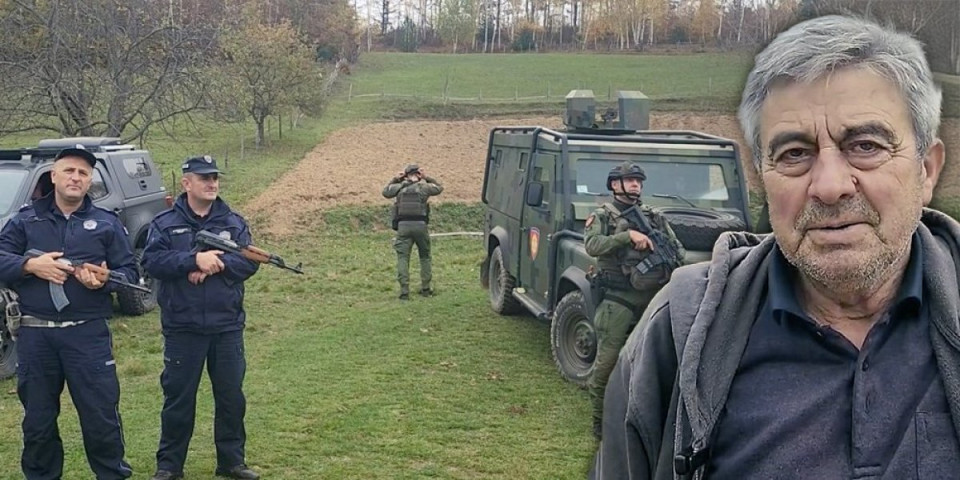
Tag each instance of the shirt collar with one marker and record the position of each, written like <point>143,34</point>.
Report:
<point>782,298</point>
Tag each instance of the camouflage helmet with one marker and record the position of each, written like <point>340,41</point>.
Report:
<point>411,169</point>
<point>625,170</point>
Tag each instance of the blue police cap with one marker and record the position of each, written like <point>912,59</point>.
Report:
<point>80,152</point>
<point>200,165</point>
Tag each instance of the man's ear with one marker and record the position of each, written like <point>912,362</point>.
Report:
<point>930,169</point>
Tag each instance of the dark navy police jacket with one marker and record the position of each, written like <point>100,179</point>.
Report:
<point>90,235</point>
<point>216,304</point>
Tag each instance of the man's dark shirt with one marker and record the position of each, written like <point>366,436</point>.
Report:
<point>805,403</point>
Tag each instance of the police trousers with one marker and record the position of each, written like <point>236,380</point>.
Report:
<point>184,355</point>
<point>81,356</point>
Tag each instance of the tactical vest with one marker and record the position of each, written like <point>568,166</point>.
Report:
<point>627,258</point>
<point>411,206</point>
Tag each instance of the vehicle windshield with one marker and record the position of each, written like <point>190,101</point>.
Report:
<point>699,183</point>
<point>10,181</point>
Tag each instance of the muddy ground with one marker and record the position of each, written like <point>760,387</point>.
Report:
<point>352,165</point>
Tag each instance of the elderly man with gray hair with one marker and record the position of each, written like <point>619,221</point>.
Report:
<point>831,348</point>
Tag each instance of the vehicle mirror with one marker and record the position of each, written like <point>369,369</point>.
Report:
<point>535,194</point>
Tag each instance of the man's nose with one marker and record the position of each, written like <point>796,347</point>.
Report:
<point>831,176</point>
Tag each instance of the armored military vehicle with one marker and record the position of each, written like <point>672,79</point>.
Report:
<point>541,184</point>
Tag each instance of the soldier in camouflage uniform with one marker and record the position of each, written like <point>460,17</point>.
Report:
<point>411,213</point>
<point>619,246</point>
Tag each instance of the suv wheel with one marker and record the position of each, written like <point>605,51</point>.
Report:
<point>697,228</point>
<point>8,352</point>
<point>134,302</point>
<point>501,285</point>
<point>573,339</point>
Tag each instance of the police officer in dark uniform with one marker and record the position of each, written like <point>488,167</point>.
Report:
<point>613,235</point>
<point>202,317</point>
<point>67,339</point>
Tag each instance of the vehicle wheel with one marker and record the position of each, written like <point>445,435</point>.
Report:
<point>573,339</point>
<point>698,229</point>
<point>8,352</point>
<point>135,302</point>
<point>501,285</point>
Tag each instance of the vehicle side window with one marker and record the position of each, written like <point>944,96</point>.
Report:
<point>98,188</point>
<point>543,175</point>
<point>136,167</point>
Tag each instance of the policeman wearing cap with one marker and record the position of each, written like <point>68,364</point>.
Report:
<point>613,235</point>
<point>202,319</point>
<point>67,340</point>
<point>412,189</point>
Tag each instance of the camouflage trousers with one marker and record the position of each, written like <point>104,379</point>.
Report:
<point>408,234</point>
<point>613,322</point>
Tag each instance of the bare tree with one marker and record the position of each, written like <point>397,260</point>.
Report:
<point>97,67</point>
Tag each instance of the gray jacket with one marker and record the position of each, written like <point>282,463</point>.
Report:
<point>658,416</point>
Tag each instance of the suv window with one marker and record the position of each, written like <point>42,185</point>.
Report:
<point>98,188</point>
<point>693,181</point>
<point>10,181</point>
<point>136,167</point>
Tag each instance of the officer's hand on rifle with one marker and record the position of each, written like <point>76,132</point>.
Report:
<point>196,277</point>
<point>209,262</point>
<point>48,268</point>
<point>640,241</point>
<point>87,278</point>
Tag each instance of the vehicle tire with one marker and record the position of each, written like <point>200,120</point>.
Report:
<point>501,285</point>
<point>573,339</point>
<point>697,228</point>
<point>8,354</point>
<point>135,302</point>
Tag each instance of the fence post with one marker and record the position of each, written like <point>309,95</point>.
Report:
<point>446,88</point>
<point>350,93</point>
<point>710,86</point>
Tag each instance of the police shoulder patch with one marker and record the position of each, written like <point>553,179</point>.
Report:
<point>589,221</point>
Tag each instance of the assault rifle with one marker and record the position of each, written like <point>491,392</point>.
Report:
<point>104,275</point>
<point>206,239</point>
<point>664,252</point>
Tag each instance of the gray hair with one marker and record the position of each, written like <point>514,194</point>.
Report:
<point>813,49</point>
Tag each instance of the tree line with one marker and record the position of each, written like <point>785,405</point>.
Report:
<point>124,67</point>
<point>634,25</point>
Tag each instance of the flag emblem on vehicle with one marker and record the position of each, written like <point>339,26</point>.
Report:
<point>534,242</point>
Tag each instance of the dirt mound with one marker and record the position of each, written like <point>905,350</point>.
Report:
<point>352,165</point>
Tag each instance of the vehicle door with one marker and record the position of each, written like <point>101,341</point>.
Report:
<point>537,217</point>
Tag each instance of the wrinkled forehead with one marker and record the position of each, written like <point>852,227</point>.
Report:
<point>840,100</point>
<point>72,163</point>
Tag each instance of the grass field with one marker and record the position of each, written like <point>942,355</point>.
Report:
<point>705,82</point>
<point>344,381</point>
